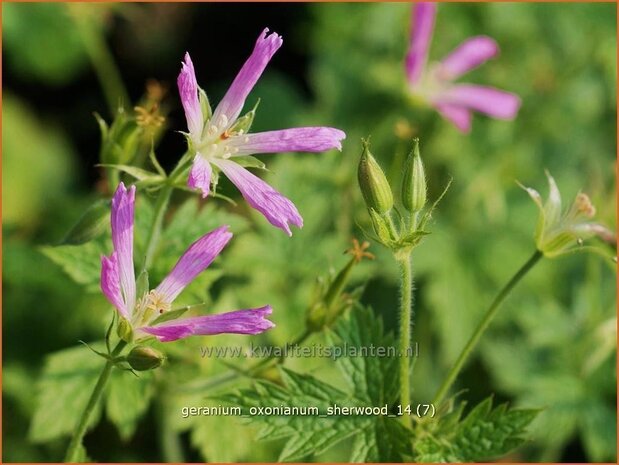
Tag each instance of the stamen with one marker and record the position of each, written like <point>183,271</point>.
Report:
<point>584,205</point>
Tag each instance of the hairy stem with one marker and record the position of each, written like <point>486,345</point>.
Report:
<point>406,316</point>
<point>73,450</point>
<point>483,325</point>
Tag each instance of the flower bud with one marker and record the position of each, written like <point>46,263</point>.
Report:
<point>373,183</point>
<point>124,330</point>
<point>414,181</point>
<point>143,358</point>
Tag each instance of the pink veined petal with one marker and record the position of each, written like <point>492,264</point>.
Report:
<point>493,102</point>
<point>123,204</point>
<point>310,139</point>
<point>276,208</point>
<point>200,175</point>
<point>195,260</point>
<point>188,90</point>
<point>110,283</point>
<point>468,55</point>
<point>252,321</point>
<point>231,105</point>
<point>461,117</point>
<point>421,37</point>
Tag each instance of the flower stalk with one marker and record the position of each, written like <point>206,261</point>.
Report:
<point>73,451</point>
<point>406,321</point>
<point>483,325</point>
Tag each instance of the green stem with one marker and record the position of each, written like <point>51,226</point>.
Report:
<point>102,61</point>
<point>154,231</point>
<point>169,440</point>
<point>161,205</point>
<point>78,435</point>
<point>483,325</point>
<point>406,319</point>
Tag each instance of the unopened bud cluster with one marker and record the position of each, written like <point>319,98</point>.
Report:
<point>379,199</point>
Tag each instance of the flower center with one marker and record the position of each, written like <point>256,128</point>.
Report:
<point>151,305</point>
<point>216,140</point>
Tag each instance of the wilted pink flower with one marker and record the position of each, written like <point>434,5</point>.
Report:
<point>220,139</point>
<point>119,285</point>
<point>435,84</point>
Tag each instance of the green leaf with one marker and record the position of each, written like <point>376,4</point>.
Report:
<point>145,177</point>
<point>485,433</point>
<point>307,434</point>
<point>361,328</point>
<point>33,181</point>
<point>128,398</point>
<point>64,388</point>
<point>43,43</point>
<point>90,225</point>
<point>373,383</point>
<point>81,262</point>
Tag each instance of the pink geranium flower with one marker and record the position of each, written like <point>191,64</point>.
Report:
<point>119,285</point>
<point>435,84</point>
<point>220,139</point>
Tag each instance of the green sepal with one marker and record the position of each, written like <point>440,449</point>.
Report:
<point>205,105</point>
<point>382,228</point>
<point>124,330</point>
<point>120,140</point>
<point>141,284</point>
<point>168,316</point>
<point>247,161</point>
<point>243,124</point>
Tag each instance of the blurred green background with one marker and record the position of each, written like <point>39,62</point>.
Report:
<point>554,343</point>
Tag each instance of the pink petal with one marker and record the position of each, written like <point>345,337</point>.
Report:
<point>421,37</point>
<point>311,139</point>
<point>200,175</point>
<point>123,204</point>
<point>110,283</point>
<point>468,55</point>
<point>459,116</point>
<point>195,260</point>
<point>493,102</point>
<point>276,208</point>
<point>188,90</point>
<point>252,321</point>
<point>231,105</point>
